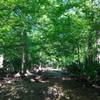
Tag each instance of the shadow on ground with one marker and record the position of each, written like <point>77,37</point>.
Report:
<point>55,87</point>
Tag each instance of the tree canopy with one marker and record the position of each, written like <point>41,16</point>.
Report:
<point>55,33</point>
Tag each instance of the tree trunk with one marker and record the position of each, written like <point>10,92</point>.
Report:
<point>78,54</point>
<point>98,46</point>
<point>90,48</point>
<point>24,52</point>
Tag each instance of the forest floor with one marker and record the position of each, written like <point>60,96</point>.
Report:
<point>54,86</point>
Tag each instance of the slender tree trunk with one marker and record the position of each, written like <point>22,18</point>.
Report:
<point>98,46</point>
<point>78,53</point>
<point>91,17</point>
<point>90,48</point>
<point>24,52</point>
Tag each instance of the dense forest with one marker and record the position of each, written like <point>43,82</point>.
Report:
<point>60,34</point>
